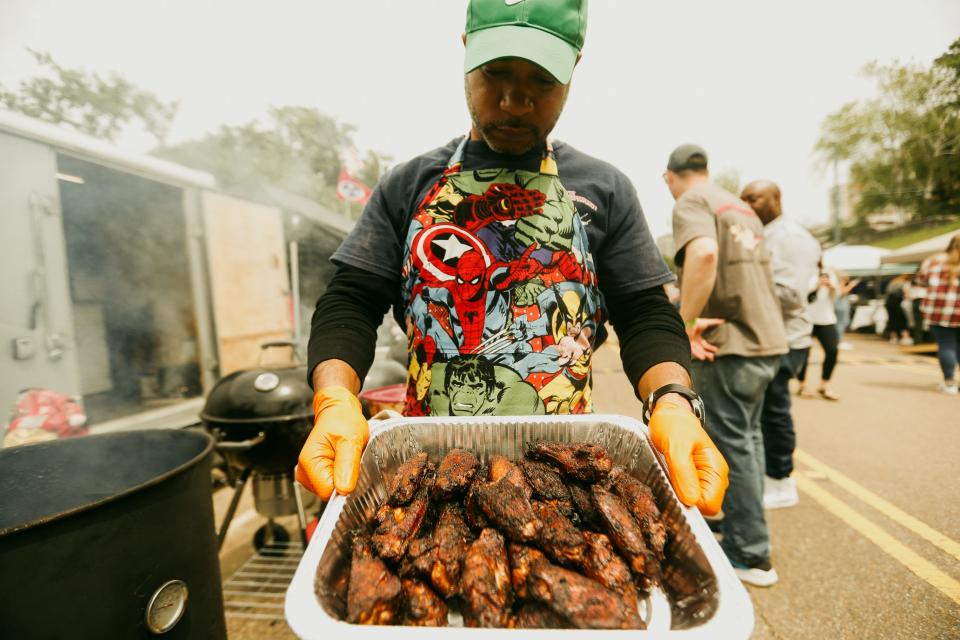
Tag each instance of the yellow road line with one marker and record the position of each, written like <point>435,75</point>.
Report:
<point>899,516</point>
<point>887,543</point>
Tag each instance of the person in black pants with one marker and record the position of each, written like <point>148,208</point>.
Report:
<point>822,313</point>
<point>898,328</point>
<point>827,335</point>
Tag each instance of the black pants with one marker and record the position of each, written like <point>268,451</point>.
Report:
<point>896,318</point>
<point>827,335</point>
<point>779,435</point>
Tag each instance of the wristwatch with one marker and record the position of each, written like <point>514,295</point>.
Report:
<point>695,400</point>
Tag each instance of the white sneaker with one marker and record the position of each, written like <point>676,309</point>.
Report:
<point>763,575</point>
<point>780,494</point>
<point>949,389</point>
<point>845,346</point>
<point>906,342</point>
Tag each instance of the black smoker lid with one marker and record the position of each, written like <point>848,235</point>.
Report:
<point>259,395</point>
<point>47,481</point>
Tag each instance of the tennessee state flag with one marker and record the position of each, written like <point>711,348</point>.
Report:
<point>349,189</point>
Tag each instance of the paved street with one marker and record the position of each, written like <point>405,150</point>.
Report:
<point>873,548</point>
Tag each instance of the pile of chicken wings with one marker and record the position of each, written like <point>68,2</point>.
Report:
<point>562,538</point>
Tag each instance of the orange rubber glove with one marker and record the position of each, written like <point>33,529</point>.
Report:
<point>697,470</point>
<point>330,458</point>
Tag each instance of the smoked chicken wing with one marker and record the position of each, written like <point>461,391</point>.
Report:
<point>475,516</point>
<point>486,591</point>
<point>582,461</point>
<point>547,485</point>
<point>585,603</point>
<point>452,538</point>
<point>374,593</point>
<point>559,537</point>
<point>508,508</point>
<point>456,471</point>
<point>583,503</point>
<point>421,606</point>
<point>625,533</point>
<point>603,564</point>
<point>421,554</point>
<point>398,525</point>
<point>503,469</point>
<point>404,484</point>
<point>638,498</point>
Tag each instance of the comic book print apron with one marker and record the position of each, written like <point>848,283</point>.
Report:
<point>500,292</point>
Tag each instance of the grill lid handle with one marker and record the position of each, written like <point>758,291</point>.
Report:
<point>273,344</point>
<point>242,445</point>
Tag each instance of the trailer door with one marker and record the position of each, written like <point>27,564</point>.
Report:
<point>37,346</point>
<point>249,281</point>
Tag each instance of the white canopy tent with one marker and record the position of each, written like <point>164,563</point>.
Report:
<point>919,251</point>
<point>854,258</point>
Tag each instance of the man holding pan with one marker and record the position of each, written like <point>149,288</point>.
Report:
<point>503,253</point>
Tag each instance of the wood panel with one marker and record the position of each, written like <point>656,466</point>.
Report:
<point>250,284</point>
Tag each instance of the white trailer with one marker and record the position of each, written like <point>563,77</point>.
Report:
<point>134,283</point>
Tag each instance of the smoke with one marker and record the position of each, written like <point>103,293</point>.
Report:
<point>130,289</point>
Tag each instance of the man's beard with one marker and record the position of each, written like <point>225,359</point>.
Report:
<point>538,137</point>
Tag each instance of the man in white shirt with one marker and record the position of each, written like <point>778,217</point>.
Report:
<point>796,255</point>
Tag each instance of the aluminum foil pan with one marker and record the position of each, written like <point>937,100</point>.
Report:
<point>701,596</point>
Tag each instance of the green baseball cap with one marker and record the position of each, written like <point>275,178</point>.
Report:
<point>548,33</point>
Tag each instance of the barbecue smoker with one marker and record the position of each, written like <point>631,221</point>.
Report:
<point>260,418</point>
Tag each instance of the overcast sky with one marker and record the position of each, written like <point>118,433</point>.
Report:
<point>750,80</point>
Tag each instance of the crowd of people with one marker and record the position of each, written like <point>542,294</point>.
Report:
<point>504,277</point>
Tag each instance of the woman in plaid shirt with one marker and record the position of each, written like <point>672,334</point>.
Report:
<point>940,274</point>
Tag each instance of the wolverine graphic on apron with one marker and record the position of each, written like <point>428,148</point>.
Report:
<point>500,293</point>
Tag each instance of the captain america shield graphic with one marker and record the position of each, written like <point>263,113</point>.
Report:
<point>437,250</point>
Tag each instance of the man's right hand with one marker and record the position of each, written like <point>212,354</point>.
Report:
<point>700,349</point>
<point>330,458</point>
<point>696,467</point>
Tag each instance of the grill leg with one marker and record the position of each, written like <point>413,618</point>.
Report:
<point>232,509</point>
<point>301,513</point>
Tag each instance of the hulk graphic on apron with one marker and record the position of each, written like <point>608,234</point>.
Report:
<point>500,293</point>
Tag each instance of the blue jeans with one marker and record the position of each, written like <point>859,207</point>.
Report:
<point>948,349</point>
<point>779,436</point>
<point>842,308</point>
<point>732,388</point>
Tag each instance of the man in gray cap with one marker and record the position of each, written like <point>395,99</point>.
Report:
<point>730,310</point>
<point>502,254</point>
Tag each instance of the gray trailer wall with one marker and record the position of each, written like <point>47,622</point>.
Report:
<point>37,345</point>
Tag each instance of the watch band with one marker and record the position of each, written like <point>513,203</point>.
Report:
<point>695,401</point>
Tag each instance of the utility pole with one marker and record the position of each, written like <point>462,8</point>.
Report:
<point>835,202</point>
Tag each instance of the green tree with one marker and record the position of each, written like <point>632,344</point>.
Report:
<point>296,149</point>
<point>949,62</point>
<point>373,167</point>
<point>903,144</point>
<point>87,102</point>
<point>729,179</point>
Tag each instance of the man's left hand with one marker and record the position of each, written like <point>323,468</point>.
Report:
<point>697,470</point>
<point>700,349</point>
